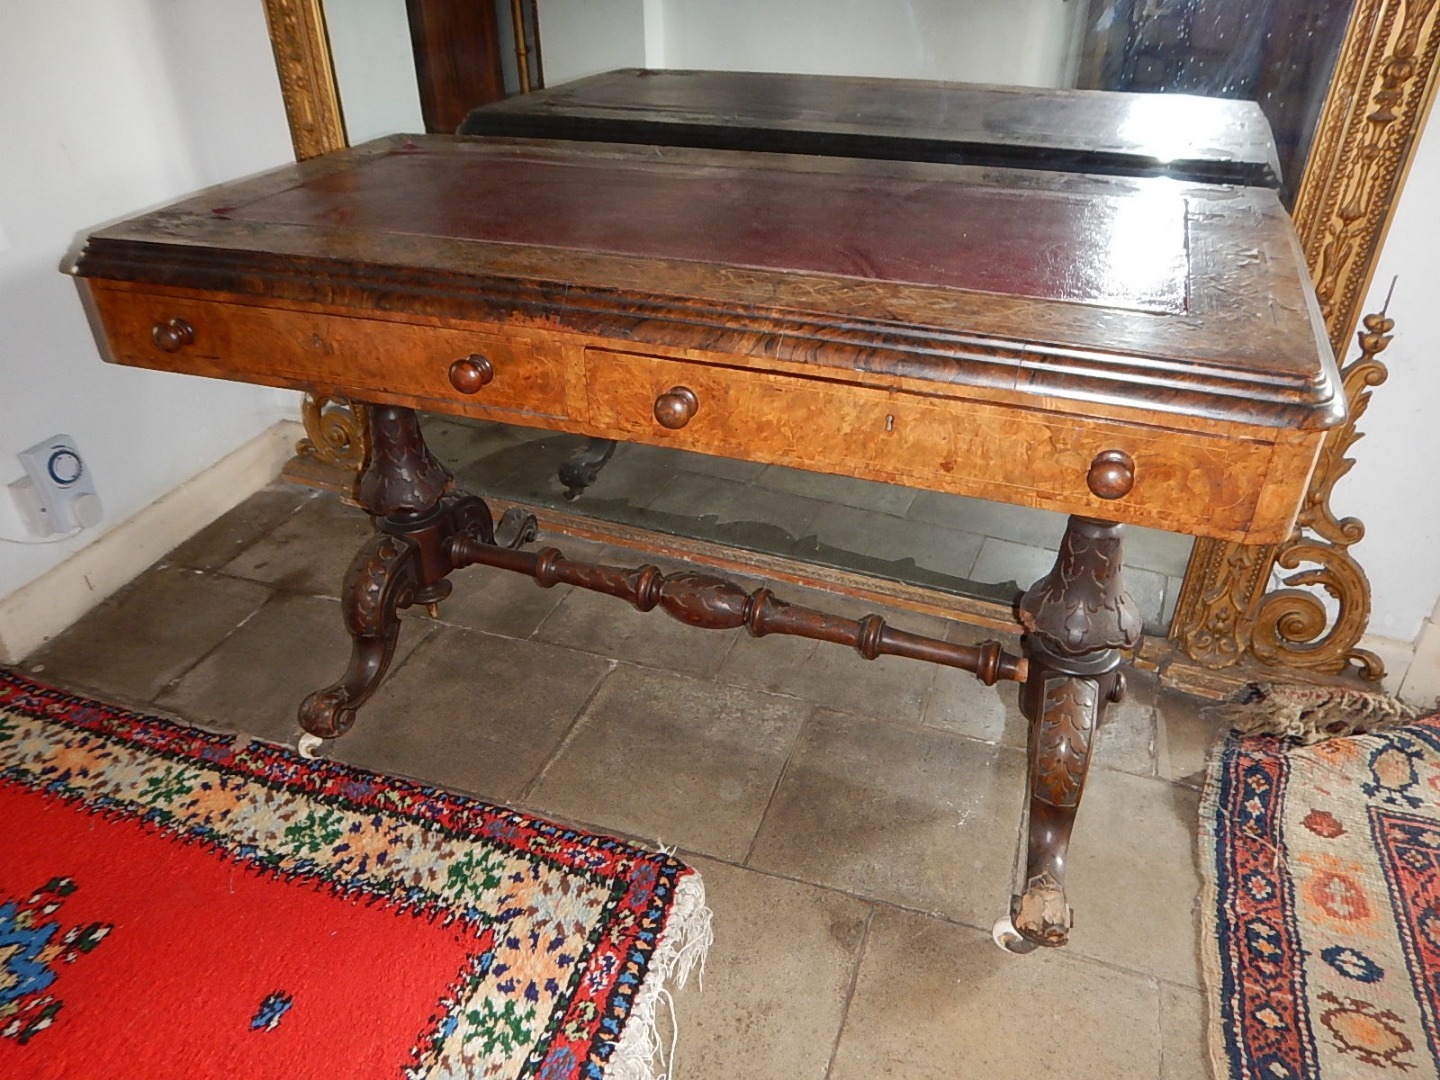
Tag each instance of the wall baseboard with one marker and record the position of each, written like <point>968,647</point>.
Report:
<point>36,612</point>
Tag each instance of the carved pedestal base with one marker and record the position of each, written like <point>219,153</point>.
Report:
<point>408,562</point>
<point>1080,623</point>
<point>1079,619</point>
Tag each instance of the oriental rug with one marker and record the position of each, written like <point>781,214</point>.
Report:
<point>177,903</point>
<point>1322,867</point>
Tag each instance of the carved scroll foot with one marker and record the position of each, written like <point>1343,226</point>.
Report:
<point>383,578</point>
<point>582,468</point>
<point>1080,621</point>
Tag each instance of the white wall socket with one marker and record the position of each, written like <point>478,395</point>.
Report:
<point>61,487</point>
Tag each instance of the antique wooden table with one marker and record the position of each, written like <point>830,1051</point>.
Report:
<point>1120,349</point>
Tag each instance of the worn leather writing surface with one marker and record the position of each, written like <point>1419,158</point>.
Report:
<point>1126,251</point>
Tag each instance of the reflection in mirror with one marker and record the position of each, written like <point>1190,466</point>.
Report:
<point>1278,52</point>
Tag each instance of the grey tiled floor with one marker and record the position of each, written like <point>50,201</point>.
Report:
<point>854,822</point>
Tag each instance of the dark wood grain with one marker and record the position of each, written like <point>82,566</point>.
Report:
<point>456,44</point>
<point>1185,137</point>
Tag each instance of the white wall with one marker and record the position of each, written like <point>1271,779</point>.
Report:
<point>107,107</point>
<point>586,37</point>
<point>1019,42</point>
<point>374,68</point>
<point>1394,487</point>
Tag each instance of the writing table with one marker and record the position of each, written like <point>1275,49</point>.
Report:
<point>1124,350</point>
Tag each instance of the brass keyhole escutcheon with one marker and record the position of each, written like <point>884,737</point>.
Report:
<point>470,373</point>
<point>1111,475</point>
<point>675,407</point>
<point>172,335</point>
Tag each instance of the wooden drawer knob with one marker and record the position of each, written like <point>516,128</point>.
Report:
<point>172,335</point>
<point>674,408</point>
<point>1111,475</point>
<point>471,373</point>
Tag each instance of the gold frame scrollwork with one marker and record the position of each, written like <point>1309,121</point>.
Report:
<point>1226,615</point>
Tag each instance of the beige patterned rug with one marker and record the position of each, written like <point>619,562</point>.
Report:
<point>1322,867</point>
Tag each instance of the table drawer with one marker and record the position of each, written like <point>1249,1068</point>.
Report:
<point>369,359</point>
<point>1183,481</point>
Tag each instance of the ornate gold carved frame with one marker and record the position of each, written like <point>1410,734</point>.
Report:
<point>1227,614</point>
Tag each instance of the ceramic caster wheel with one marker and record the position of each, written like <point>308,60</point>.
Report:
<point>1004,934</point>
<point>307,745</point>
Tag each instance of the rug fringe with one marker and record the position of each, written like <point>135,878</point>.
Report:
<point>642,1054</point>
<point>1311,714</point>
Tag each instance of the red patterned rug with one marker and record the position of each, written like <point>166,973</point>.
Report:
<point>175,903</point>
<point>1322,867</point>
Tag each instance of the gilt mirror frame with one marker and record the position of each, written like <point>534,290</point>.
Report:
<point>1227,617</point>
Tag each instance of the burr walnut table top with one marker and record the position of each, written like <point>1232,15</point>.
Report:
<point>980,330</point>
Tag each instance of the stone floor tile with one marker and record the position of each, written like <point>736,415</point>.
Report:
<point>687,461</point>
<point>890,687</point>
<point>890,499</point>
<point>935,1001</point>
<point>914,817</point>
<point>309,551</point>
<point>149,634</point>
<point>592,622</point>
<point>231,533</point>
<point>1126,739</point>
<point>1173,584</point>
<point>1184,737</point>
<point>502,601</point>
<point>678,761</point>
<point>1132,876</point>
<point>258,676</point>
<point>1004,560</point>
<point>775,983</point>
<point>960,703</point>
<point>475,712</point>
<point>728,509</point>
<point>1185,1053</point>
<point>829,674</point>
<point>1155,549</point>
<point>890,546</point>
<point>1022,524</point>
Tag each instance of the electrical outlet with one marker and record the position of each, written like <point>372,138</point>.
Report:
<point>62,486</point>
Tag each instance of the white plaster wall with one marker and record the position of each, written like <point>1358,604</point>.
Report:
<point>107,107</point>
<point>1394,487</point>
<point>1019,42</point>
<point>586,37</point>
<point>374,68</point>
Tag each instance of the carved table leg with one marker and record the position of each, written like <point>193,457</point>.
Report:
<point>404,490</point>
<point>1080,622</point>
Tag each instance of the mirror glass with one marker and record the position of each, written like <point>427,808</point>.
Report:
<point>1280,53</point>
